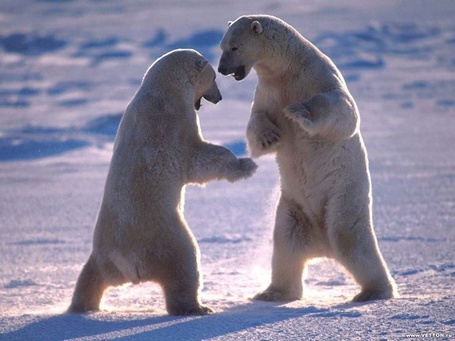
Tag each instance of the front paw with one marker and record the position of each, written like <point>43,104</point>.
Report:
<point>244,169</point>
<point>299,113</point>
<point>269,138</point>
<point>247,167</point>
<point>263,141</point>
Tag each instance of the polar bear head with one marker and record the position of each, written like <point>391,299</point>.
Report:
<point>240,46</point>
<point>183,70</point>
<point>204,79</point>
<point>250,40</point>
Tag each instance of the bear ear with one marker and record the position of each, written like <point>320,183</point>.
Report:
<point>230,23</point>
<point>256,27</point>
<point>201,65</point>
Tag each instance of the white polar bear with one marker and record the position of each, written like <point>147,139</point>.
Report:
<point>303,111</point>
<point>141,234</point>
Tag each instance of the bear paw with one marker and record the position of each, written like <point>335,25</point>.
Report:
<point>262,142</point>
<point>275,295</point>
<point>372,295</point>
<point>300,114</point>
<point>269,138</point>
<point>190,310</point>
<point>245,168</point>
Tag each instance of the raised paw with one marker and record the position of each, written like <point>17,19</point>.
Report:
<point>244,169</point>
<point>263,141</point>
<point>300,114</point>
<point>269,138</point>
<point>247,167</point>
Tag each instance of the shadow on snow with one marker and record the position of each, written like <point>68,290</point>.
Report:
<point>232,320</point>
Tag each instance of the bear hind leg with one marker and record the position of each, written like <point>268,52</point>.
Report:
<point>288,260</point>
<point>181,292</point>
<point>180,277</point>
<point>374,294</point>
<point>357,250</point>
<point>286,282</point>
<point>183,300</point>
<point>89,289</point>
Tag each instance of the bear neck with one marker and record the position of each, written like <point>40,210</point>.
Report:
<point>287,57</point>
<point>177,87</point>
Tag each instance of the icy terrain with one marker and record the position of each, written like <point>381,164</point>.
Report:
<point>67,72</point>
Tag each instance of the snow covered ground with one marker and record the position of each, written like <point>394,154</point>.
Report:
<point>68,70</point>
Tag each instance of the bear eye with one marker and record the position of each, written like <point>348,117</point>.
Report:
<point>234,49</point>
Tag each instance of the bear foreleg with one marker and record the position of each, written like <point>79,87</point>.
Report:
<point>331,114</point>
<point>262,134</point>
<point>214,162</point>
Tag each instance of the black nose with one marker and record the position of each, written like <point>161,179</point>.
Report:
<point>214,98</point>
<point>222,70</point>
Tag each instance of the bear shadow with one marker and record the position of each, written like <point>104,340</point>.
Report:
<point>231,320</point>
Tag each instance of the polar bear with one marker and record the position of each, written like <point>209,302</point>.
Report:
<point>303,112</point>
<point>141,234</point>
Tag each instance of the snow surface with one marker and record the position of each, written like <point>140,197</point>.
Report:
<point>68,70</point>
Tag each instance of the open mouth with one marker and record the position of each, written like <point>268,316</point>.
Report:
<point>198,104</point>
<point>239,74</point>
<point>209,97</point>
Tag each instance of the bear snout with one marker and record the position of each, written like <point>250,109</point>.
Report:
<point>213,98</point>
<point>223,66</point>
<point>223,70</point>
<point>238,73</point>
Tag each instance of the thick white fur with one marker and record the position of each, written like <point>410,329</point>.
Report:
<point>303,112</point>
<point>141,234</point>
